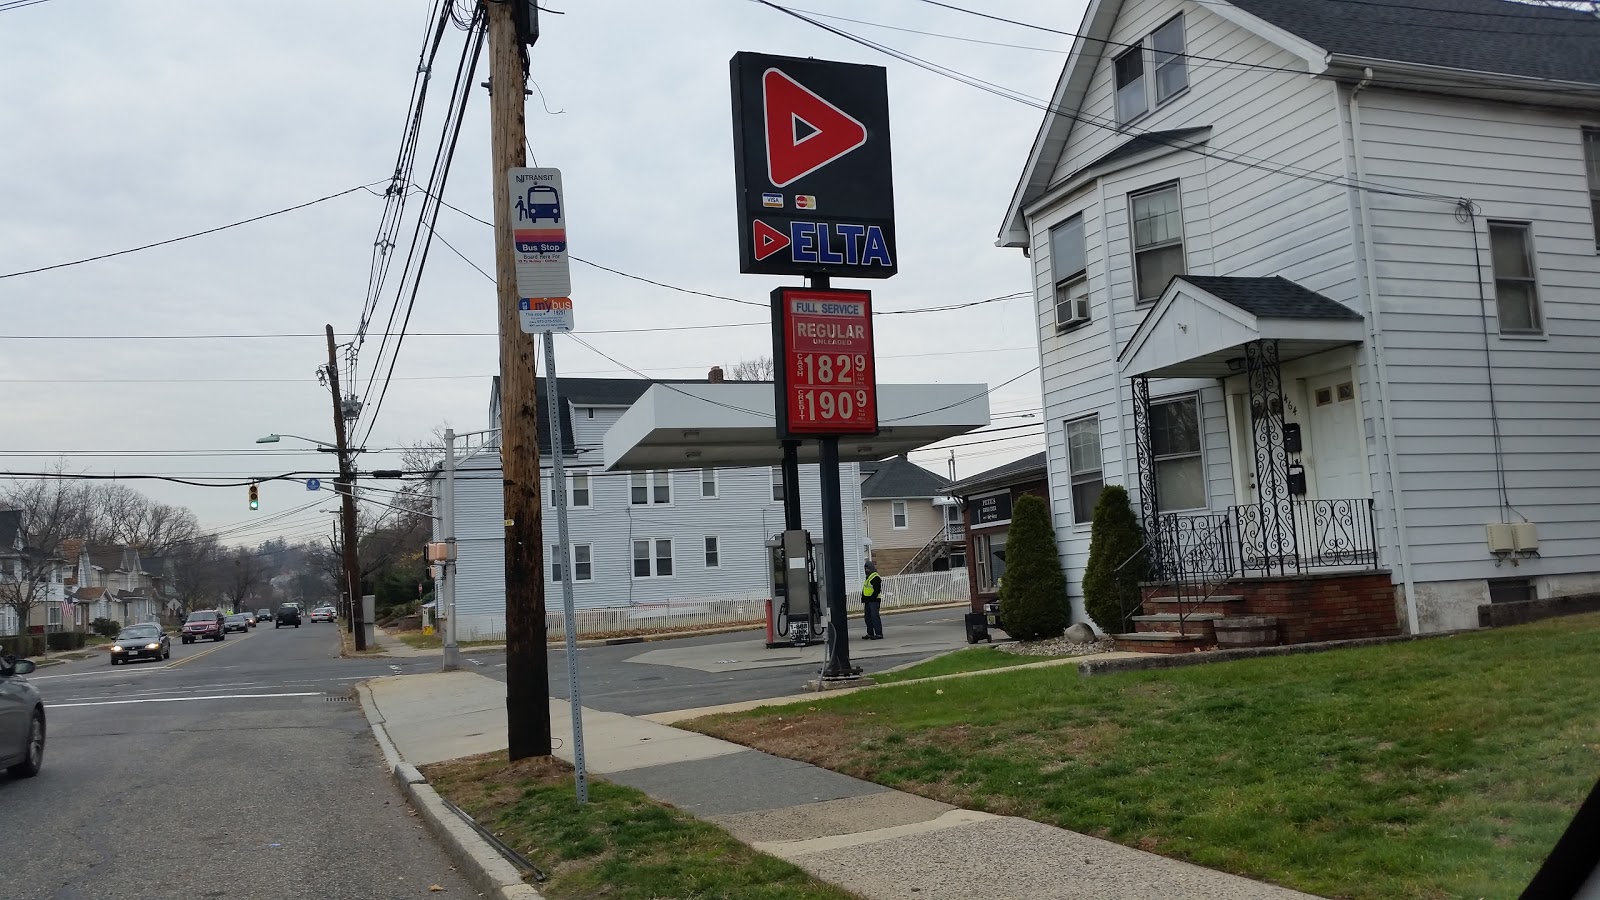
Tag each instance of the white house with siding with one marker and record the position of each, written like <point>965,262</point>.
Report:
<point>639,539</point>
<point>1296,260</point>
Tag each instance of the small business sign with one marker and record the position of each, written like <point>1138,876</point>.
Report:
<point>817,131</point>
<point>545,314</point>
<point>826,378</point>
<point>313,484</point>
<point>994,509</point>
<point>539,233</point>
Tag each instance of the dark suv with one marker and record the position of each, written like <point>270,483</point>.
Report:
<point>205,623</point>
<point>288,614</point>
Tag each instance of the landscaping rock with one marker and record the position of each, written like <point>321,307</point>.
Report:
<point>1079,634</point>
<point>1061,646</point>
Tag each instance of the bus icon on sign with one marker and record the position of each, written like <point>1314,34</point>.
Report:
<point>542,202</point>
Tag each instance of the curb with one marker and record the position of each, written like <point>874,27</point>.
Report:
<point>482,865</point>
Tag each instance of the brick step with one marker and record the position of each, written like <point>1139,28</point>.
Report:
<point>1160,642</point>
<point>1165,596</point>
<point>1169,623</point>
<point>1222,604</point>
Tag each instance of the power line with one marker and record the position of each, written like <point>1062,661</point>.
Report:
<point>278,212</point>
<point>1078,116</point>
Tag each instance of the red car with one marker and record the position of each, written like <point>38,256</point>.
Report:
<point>205,623</point>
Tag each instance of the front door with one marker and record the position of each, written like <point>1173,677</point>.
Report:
<point>1335,441</point>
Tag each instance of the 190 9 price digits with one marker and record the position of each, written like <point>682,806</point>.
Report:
<point>825,404</point>
<point>826,368</point>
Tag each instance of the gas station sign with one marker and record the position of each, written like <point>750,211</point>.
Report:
<point>812,164</point>
<point>826,378</point>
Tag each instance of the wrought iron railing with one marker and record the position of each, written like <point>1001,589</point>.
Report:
<point>1317,534</point>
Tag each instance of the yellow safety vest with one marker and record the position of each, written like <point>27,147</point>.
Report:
<point>872,587</point>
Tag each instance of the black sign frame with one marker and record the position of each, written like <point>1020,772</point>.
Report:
<point>847,226</point>
<point>990,509</point>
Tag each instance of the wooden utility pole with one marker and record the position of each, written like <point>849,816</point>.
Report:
<point>347,481</point>
<point>527,679</point>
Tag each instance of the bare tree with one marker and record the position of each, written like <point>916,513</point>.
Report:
<point>197,571</point>
<point>244,574</point>
<point>122,515</point>
<point>759,369</point>
<point>40,517</point>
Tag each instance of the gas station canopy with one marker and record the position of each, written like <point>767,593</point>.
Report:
<point>728,424</point>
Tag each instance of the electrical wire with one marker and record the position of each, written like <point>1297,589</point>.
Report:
<point>1154,137</point>
<point>277,212</point>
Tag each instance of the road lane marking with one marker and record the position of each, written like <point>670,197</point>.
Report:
<point>54,706</point>
<point>204,653</point>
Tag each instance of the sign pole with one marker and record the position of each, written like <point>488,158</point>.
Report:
<point>558,486</point>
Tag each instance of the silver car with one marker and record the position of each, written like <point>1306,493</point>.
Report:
<point>21,719</point>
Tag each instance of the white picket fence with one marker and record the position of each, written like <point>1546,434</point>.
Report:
<point>900,592</point>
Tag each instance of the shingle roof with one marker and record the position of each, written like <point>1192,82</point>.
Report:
<point>897,478</point>
<point>1025,468</point>
<point>1178,137</point>
<point>1498,36</point>
<point>1274,298</point>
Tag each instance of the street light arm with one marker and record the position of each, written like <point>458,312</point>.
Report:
<point>274,438</point>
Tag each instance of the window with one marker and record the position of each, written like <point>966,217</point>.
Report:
<point>582,563</point>
<point>1128,70</point>
<point>990,550</point>
<point>777,484</point>
<point>53,614</point>
<point>1068,268</point>
<point>1083,459</point>
<point>1171,74</point>
<point>579,487</point>
<point>1175,445</point>
<point>897,511</point>
<point>1516,296</point>
<point>708,482</point>
<point>1511,590</point>
<point>1591,159</point>
<point>713,553</point>
<point>650,488</point>
<point>643,558</point>
<point>1157,229</point>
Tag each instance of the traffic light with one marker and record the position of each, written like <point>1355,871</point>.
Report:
<point>255,497</point>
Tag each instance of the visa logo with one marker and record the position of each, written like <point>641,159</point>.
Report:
<point>773,201</point>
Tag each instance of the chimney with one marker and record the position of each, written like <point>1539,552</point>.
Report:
<point>715,375</point>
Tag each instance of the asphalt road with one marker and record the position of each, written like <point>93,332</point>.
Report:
<point>236,769</point>
<point>611,681</point>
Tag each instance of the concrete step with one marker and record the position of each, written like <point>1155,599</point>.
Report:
<point>1160,642</point>
<point>1223,604</point>
<point>1170,623</point>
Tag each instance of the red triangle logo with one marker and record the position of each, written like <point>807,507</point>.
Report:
<point>769,240</point>
<point>793,151</point>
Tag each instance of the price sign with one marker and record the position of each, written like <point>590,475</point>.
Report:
<point>826,377</point>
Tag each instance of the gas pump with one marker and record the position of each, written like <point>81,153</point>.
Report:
<point>794,614</point>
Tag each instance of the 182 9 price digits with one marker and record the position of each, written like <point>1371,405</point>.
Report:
<point>830,368</point>
<point>824,405</point>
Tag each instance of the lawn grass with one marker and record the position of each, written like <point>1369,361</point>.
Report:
<point>1445,767</point>
<point>434,641</point>
<point>621,845</point>
<point>973,659</point>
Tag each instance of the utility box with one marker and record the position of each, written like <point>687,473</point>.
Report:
<point>369,605</point>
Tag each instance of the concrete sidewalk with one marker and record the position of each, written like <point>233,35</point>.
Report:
<point>876,842</point>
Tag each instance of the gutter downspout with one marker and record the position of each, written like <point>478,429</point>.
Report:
<point>1380,363</point>
<point>1111,338</point>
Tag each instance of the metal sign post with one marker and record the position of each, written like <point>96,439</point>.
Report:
<point>558,480</point>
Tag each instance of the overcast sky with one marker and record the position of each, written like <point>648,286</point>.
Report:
<point>123,123</point>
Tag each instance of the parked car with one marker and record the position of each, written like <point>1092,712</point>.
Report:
<point>204,623</point>
<point>236,622</point>
<point>323,614</point>
<point>21,719</point>
<point>141,642</point>
<point>288,614</point>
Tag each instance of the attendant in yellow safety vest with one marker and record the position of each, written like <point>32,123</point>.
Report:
<point>871,600</point>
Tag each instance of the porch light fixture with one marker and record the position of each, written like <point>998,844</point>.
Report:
<point>692,433</point>
<point>691,454</point>
<point>1236,364</point>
